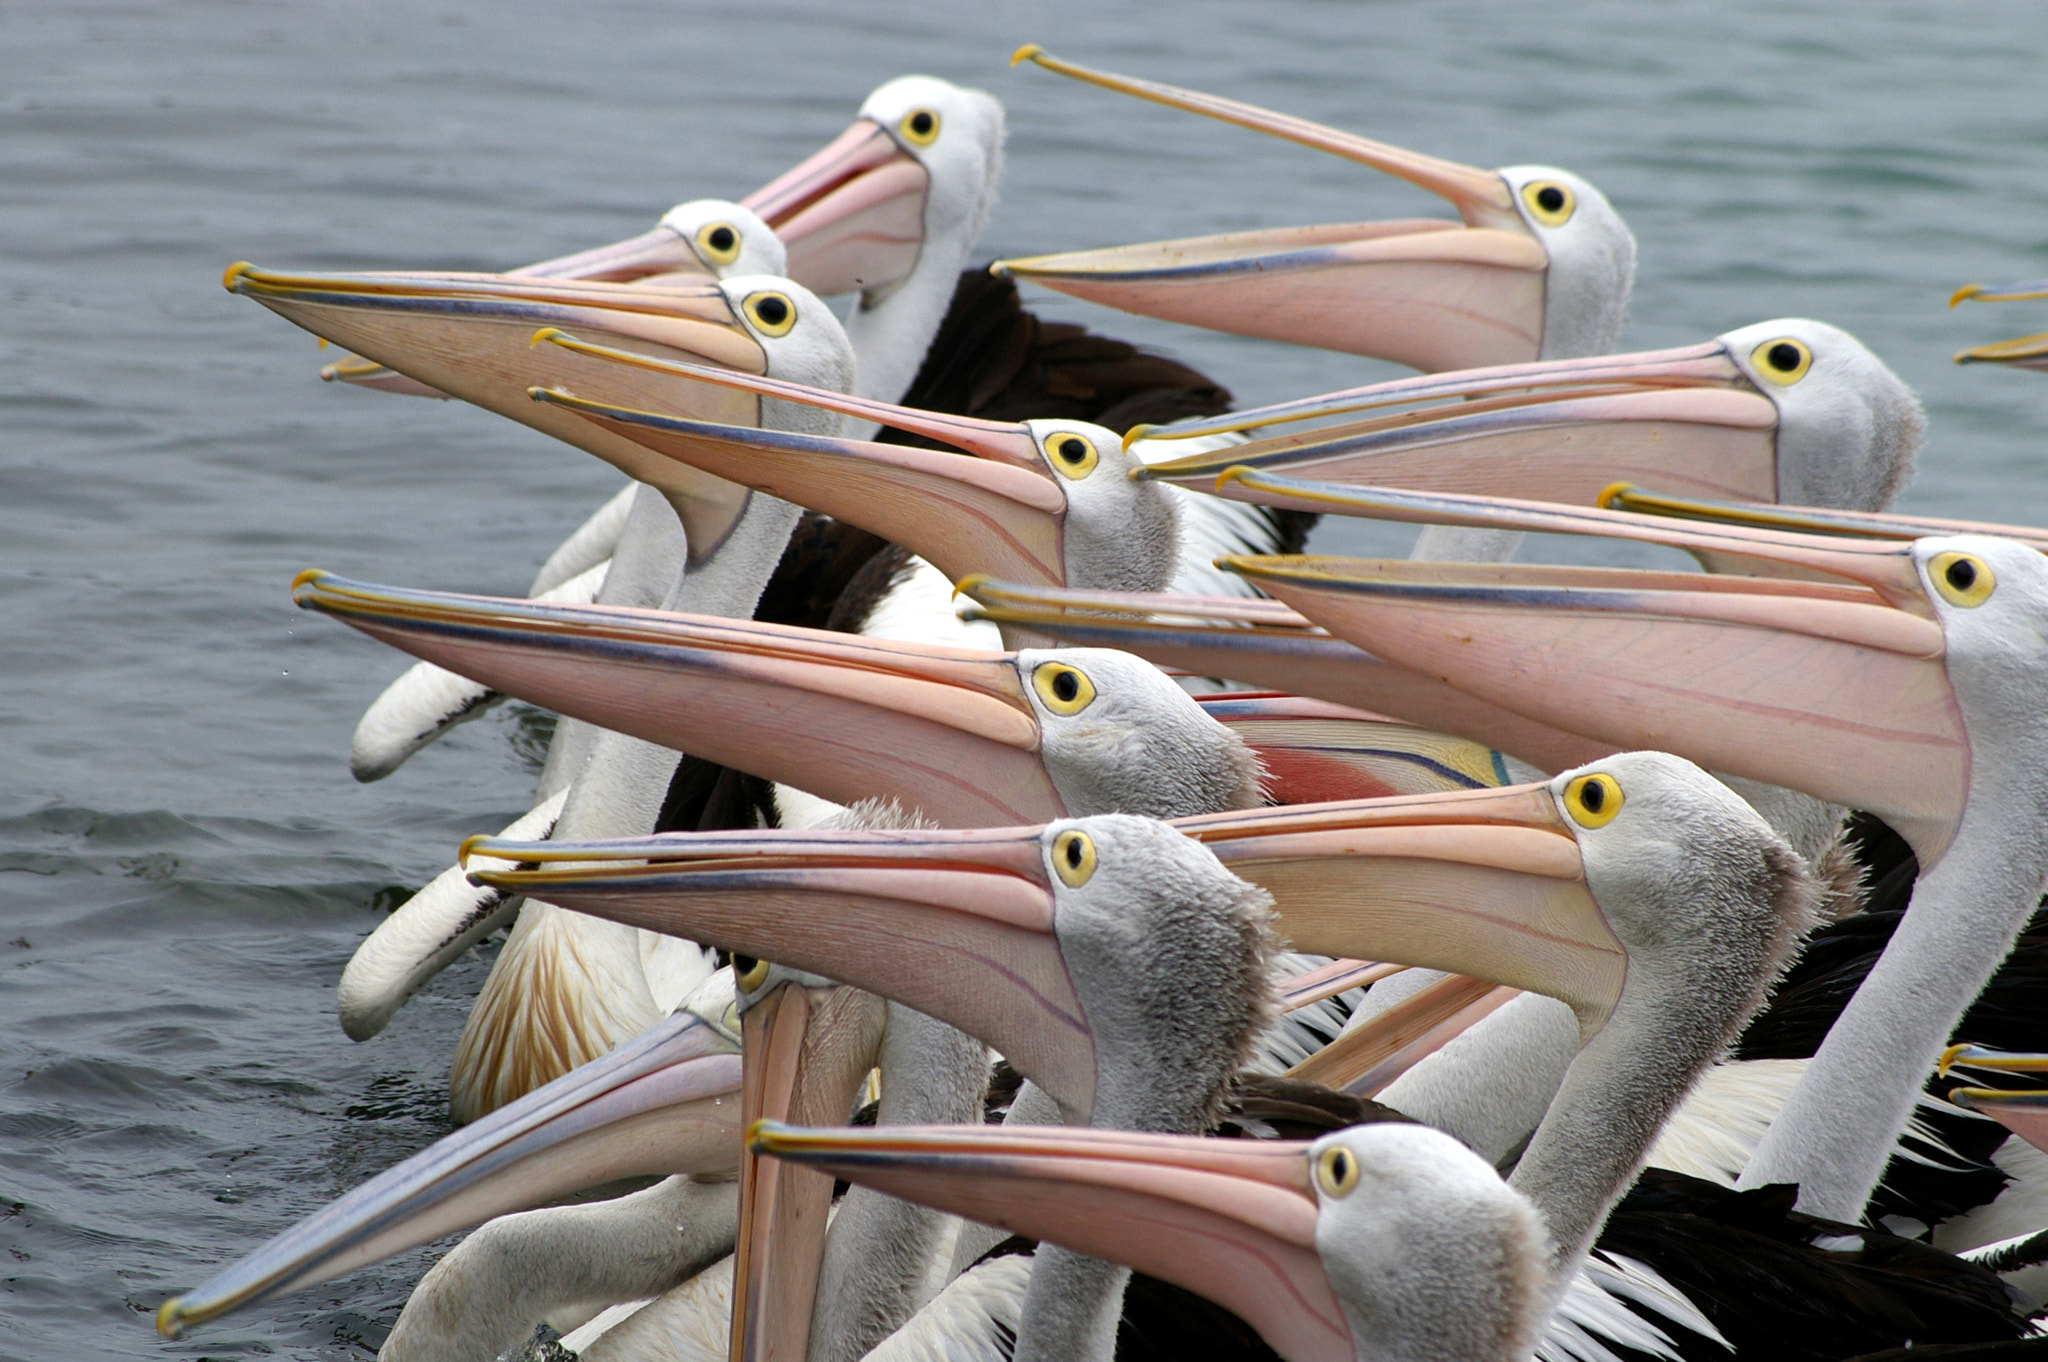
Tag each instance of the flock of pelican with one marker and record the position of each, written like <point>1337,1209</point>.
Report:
<point>1490,966</point>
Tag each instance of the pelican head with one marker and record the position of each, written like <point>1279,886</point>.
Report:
<point>1541,268</point>
<point>1788,410</point>
<point>1378,1241</point>
<point>1045,500</point>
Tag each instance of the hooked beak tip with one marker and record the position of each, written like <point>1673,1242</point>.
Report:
<point>1614,496</point>
<point>999,268</point>
<point>310,577</point>
<point>234,273</point>
<point>1963,294</point>
<point>1030,52</point>
<point>468,845</point>
<point>1237,472</point>
<point>1137,433</point>
<point>546,333</point>
<point>170,1318</point>
<point>1948,1058</point>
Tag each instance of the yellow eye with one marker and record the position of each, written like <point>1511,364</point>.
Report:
<point>772,313</point>
<point>1064,689</point>
<point>1071,454</point>
<point>1962,578</point>
<point>748,973</point>
<point>1550,203</point>
<point>920,127</point>
<point>1592,801</point>
<point>718,242</point>
<point>1336,1171</point>
<point>1073,856</point>
<point>1783,361</point>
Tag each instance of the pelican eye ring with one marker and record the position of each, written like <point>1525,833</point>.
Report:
<point>1073,857</point>
<point>1593,800</point>
<point>1962,578</point>
<point>1549,202</point>
<point>1783,361</point>
<point>1062,687</point>
<point>772,313</point>
<point>1071,454</point>
<point>1336,1171</point>
<point>718,242</point>
<point>920,127</point>
<point>748,973</point>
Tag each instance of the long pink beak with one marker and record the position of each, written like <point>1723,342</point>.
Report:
<point>958,925</point>
<point>470,336</point>
<point>1232,1220</point>
<point>962,514</point>
<point>852,215</point>
<point>1686,420</point>
<point>1429,294</point>
<point>947,731</point>
<point>664,1102</point>
<point>1268,643</point>
<point>1836,687</point>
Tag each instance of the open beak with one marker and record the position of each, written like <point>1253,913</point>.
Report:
<point>852,215</point>
<point>1835,687</point>
<point>962,514</point>
<point>1231,1220</point>
<point>945,730</point>
<point>665,1102</point>
<point>1268,643</point>
<point>469,336</point>
<point>958,925</point>
<point>1684,420</point>
<point>1426,293</point>
<point>808,1050</point>
<point>2022,1111</point>
<point>1485,883</point>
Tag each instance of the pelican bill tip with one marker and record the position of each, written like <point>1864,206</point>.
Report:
<point>233,274</point>
<point>170,1318</point>
<point>1030,52</point>
<point>1948,1058</point>
<point>309,579</point>
<point>1964,294</point>
<point>1142,430</point>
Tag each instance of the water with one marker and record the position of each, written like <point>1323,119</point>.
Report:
<point>187,863</point>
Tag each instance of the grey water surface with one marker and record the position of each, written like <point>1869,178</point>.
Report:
<point>185,863</point>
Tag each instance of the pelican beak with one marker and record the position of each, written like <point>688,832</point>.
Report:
<point>2031,288</point>
<point>1231,1220</point>
<point>958,925</point>
<point>469,336</point>
<point>945,730</point>
<point>1810,519</point>
<point>2024,1112</point>
<point>961,514</point>
<point>1365,1060</point>
<point>660,250</point>
<point>1485,883</point>
<point>665,1102</point>
<point>362,373</point>
<point>1314,751</point>
<point>808,1050</point>
<point>2027,352</point>
<point>1267,643</point>
<point>1425,293</point>
<point>1684,420</point>
<point>852,215</point>
<point>1836,688</point>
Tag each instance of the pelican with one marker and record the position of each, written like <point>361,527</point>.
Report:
<point>2026,352</point>
<point>1462,851</point>
<point>1541,268</point>
<point>1899,683</point>
<point>590,986</point>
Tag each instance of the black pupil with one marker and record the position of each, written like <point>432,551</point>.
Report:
<point>1066,687</point>
<point>1073,450</point>
<point>743,965</point>
<point>1962,574</point>
<point>921,124</point>
<point>1784,357</point>
<point>1593,796</point>
<point>721,239</point>
<point>1550,198</point>
<point>773,311</point>
<point>1074,853</point>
